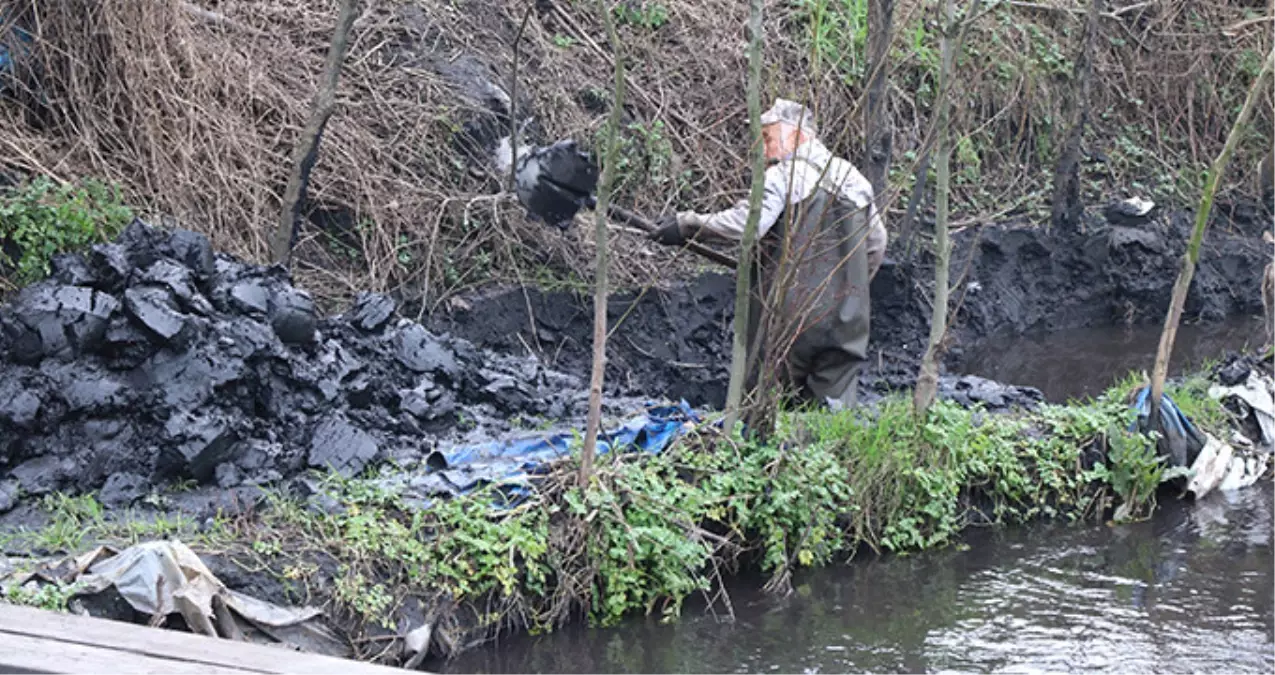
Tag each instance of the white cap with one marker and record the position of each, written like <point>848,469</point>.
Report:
<point>790,112</point>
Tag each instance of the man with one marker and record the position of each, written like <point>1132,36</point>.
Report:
<point>821,237</point>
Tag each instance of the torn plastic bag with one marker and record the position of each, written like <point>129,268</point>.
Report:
<point>60,571</point>
<point>1210,467</point>
<point>1222,467</point>
<point>165,577</point>
<point>1256,393</point>
<point>1179,439</point>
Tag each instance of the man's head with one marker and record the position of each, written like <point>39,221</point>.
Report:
<point>784,127</point>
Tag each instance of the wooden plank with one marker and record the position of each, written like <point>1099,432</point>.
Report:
<point>130,641</point>
<point>26,654</point>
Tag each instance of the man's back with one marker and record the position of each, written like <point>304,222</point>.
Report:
<point>813,165</point>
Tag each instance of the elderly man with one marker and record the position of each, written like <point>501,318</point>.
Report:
<point>821,238</point>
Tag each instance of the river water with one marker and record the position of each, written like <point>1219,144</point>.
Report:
<point>1191,590</point>
<point>1188,591</point>
<point>1085,361</point>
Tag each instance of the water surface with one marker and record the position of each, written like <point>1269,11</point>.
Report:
<point>1084,362</point>
<point>1188,591</point>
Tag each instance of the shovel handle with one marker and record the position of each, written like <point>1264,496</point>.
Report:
<point>621,213</point>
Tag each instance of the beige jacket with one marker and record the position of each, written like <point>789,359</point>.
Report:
<point>791,181</point>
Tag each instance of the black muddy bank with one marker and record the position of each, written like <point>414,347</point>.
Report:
<point>153,359</point>
<point>675,342</point>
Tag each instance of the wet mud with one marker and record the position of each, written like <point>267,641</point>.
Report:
<point>1008,279</point>
<point>154,360</point>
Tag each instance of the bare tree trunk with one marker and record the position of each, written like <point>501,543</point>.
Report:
<point>1067,208</point>
<point>879,139</point>
<point>606,182</point>
<point>927,380</point>
<point>307,149</point>
<point>1192,255</point>
<point>743,279</point>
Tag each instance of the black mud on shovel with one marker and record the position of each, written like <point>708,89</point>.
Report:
<point>554,182</point>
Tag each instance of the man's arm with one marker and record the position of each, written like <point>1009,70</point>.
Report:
<point>729,224</point>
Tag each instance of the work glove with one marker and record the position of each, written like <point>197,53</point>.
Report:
<point>668,231</point>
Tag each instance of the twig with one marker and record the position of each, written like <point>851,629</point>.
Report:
<point>1077,11</point>
<point>640,222</point>
<point>1234,29</point>
<point>639,89</point>
<point>219,18</point>
<point>1192,254</point>
<point>600,299</point>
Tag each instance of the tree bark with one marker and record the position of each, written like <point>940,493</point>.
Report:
<point>879,139</point>
<point>1067,208</point>
<point>306,151</point>
<point>606,181</point>
<point>1192,254</point>
<point>743,278</point>
<point>927,379</point>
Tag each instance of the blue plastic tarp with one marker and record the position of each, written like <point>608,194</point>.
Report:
<point>512,463</point>
<point>6,56</point>
<point>649,432</point>
<point>1177,433</point>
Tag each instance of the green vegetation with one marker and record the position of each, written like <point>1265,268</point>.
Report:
<point>41,219</point>
<point>76,523</point>
<point>652,530</point>
<point>641,13</point>
<point>1017,70</point>
<point>645,161</point>
<point>44,596</point>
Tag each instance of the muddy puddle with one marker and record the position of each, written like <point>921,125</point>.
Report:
<point>1083,362</point>
<point>1189,591</point>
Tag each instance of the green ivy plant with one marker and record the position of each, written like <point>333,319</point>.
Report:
<point>41,219</point>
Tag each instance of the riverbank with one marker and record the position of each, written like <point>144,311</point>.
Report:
<point>153,388</point>
<point>650,530</point>
<point>1009,279</point>
<point>1189,590</point>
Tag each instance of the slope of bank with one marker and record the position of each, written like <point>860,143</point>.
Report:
<point>1008,278</point>
<point>646,533</point>
<point>154,388</point>
<point>193,111</point>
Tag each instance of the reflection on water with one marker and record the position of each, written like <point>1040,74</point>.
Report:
<point>1084,362</point>
<point>1189,591</point>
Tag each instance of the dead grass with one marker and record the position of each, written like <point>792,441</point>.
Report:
<point>194,110</point>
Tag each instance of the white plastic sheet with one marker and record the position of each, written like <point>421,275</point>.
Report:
<point>164,577</point>
<point>1258,392</point>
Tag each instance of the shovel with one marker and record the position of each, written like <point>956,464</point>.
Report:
<point>631,218</point>
<point>555,181</point>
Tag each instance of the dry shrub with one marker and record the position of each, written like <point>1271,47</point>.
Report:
<point>194,109</point>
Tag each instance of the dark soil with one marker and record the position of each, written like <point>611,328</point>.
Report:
<point>153,360</point>
<point>675,342</point>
